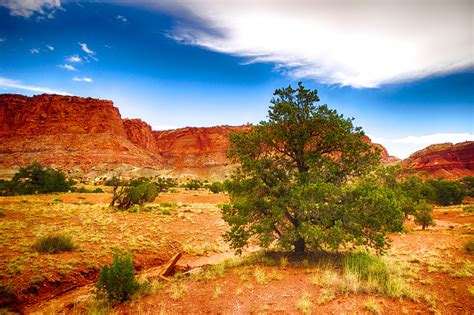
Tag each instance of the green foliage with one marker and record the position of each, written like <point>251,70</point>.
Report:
<point>138,195</point>
<point>467,184</point>
<point>368,268</point>
<point>424,214</point>
<point>469,246</point>
<point>468,209</point>
<point>84,190</point>
<point>54,244</point>
<point>117,281</point>
<point>36,179</point>
<point>193,185</point>
<point>297,181</point>
<point>216,187</point>
<point>164,184</point>
<point>443,192</point>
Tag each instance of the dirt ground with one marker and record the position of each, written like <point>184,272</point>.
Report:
<point>435,265</point>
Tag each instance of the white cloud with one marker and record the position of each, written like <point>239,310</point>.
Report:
<point>122,18</point>
<point>68,67</point>
<point>26,8</point>
<point>403,147</point>
<point>50,47</point>
<point>34,51</point>
<point>9,83</point>
<point>74,58</point>
<point>86,49</point>
<point>83,79</point>
<point>3,39</point>
<point>348,42</point>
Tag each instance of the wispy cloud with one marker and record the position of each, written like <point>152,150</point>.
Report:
<point>34,51</point>
<point>74,58</point>
<point>86,49</point>
<point>83,79</point>
<point>403,147</point>
<point>26,8</point>
<point>14,84</point>
<point>50,47</point>
<point>3,39</point>
<point>359,44</point>
<point>68,67</point>
<point>122,18</point>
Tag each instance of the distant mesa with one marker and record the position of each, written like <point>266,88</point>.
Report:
<point>447,160</point>
<point>87,137</point>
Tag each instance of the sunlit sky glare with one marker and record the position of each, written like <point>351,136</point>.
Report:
<point>403,69</point>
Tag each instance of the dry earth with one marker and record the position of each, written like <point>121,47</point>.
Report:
<point>432,263</point>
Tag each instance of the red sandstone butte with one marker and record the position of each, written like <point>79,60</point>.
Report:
<point>78,133</point>
<point>447,160</point>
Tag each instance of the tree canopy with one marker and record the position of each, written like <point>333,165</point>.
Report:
<point>303,180</point>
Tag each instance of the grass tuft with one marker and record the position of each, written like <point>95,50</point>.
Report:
<point>54,244</point>
<point>304,304</point>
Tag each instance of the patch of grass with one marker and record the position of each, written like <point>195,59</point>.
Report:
<point>178,290</point>
<point>167,204</point>
<point>217,292</point>
<point>376,276</point>
<point>468,209</point>
<point>325,295</point>
<point>373,307</point>
<point>304,304</point>
<point>471,290</point>
<point>55,243</point>
<point>165,211</point>
<point>426,281</point>
<point>469,246</point>
<point>201,249</point>
<point>260,276</point>
<point>2,213</point>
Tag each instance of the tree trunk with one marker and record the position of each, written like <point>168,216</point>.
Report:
<point>299,246</point>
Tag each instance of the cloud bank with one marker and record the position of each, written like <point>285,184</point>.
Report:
<point>353,43</point>
<point>9,83</point>
<point>26,8</point>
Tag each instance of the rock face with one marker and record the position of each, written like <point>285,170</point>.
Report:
<point>69,133</point>
<point>451,161</point>
<point>197,151</point>
<point>386,158</point>
<point>89,135</point>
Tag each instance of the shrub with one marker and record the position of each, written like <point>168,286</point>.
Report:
<point>117,281</point>
<point>443,192</point>
<point>54,244</point>
<point>216,187</point>
<point>467,184</point>
<point>424,214</point>
<point>468,209</point>
<point>164,184</point>
<point>145,192</point>
<point>193,185</point>
<point>34,179</point>
<point>469,246</point>
<point>98,190</point>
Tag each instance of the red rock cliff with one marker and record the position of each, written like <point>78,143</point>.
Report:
<point>68,132</point>
<point>451,161</point>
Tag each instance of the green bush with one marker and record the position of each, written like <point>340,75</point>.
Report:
<point>467,184</point>
<point>98,190</point>
<point>469,246</point>
<point>54,244</point>
<point>164,184</point>
<point>117,281</point>
<point>424,214</point>
<point>36,179</point>
<point>145,192</point>
<point>193,185</point>
<point>216,187</point>
<point>443,192</point>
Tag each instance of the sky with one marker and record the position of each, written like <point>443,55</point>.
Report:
<point>403,69</point>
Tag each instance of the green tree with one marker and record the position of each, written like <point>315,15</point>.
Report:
<point>298,185</point>
<point>138,195</point>
<point>37,179</point>
<point>424,214</point>
<point>444,192</point>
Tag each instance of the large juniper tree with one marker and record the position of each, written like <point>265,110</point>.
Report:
<point>302,180</point>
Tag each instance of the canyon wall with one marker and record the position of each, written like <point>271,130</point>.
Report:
<point>86,135</point>
<point>451,161</point>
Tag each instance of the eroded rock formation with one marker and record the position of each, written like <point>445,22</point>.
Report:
<point>451,161</point>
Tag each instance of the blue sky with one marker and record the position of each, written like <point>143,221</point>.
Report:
<point>198,63</point>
